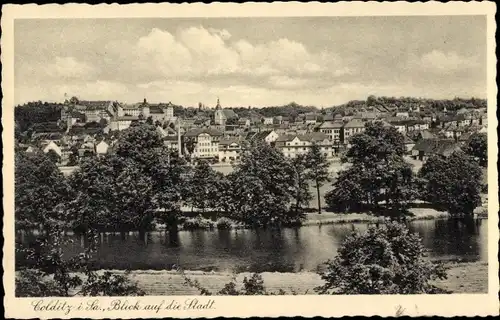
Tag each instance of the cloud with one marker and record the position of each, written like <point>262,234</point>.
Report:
<point>198,52</point>
<point>69,67</point>
<point>440,61</point>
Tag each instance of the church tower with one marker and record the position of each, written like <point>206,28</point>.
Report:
<point>219,116</point>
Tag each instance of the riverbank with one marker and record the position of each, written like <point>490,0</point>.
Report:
<point>470,277</point>
<point>325,218</point>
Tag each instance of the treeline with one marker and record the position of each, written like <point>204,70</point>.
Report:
<point>411,102</point>
<point>31,113</point>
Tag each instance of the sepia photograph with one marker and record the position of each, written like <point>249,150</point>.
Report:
<point>250,156</point>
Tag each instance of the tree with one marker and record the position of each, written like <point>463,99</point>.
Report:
<point>477,147</point>
<point>262,188</point>
<point>103,122</point>
<point>317,169</point>
<point>149,120</point>
<point>190,144</point>
<point>378,176</point>
<point>301,185</point>
<point>376,144</point>
<point>203,186</point>
<point>452,183</point>
<point>74,100</point>
<point>163,167</point>
<point>111,193</point>
<point>53,156</point>
<point>383,260</point>
<point>40,190</point>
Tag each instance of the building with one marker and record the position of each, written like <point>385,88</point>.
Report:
<point>230,149</point>
<point>268,136</point>
<point>267,120</point>
<point>423,149</point>
<point>204,142</point>
<point>122,123</point>
<point>293,145</point>
<point>351,128</point>
<point>102,147</point>
<point>332,130</point>
<point>310,119</point>
<point>221,116</point>
<point>54,147</point>
<point>400,125</point>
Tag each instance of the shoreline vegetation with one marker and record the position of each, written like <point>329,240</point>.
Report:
<point>314,219</point>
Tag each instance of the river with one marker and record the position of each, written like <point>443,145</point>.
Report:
<point>287,250</point>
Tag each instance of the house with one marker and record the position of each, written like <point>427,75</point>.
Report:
<point>30,149</point>
<point>267,120</point>
<point>86,149</point>
<point>202,122</point>
<point>426,135</point>
<point>205,142</point>
<point>402,114</point>
<point>310,118</point>
<point>54,147</point>
<point>400,125</point>
<point>332,129</point>
<point>244,122</point>
<point>293,145</point>
<point>230,149</point>
<point>122,123</point>
<point>409,144</point>
<point>157,113</point>
<point>351,128</point>
<point>221,116</point>
<point>268,136</point>
<point>417,125</point>
<point>102,147</point>
<point>423,149</point>
<point>365,116</point>
<point>171,142</point>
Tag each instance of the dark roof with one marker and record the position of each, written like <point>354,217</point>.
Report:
<point>47,136</point>
<point>229,141</point>
<point>313,136</point>
<point>330,124</point>
<point>155,109</point>
<point>125,118</point>
<point>75,130</point>
<point>354,124</point>
<point>427,135</point>
<point>311,117</point>
<point>94,105</point>
<point>434,146</point>
<point>197,132</point>
<point>229,113</point>
<point>262,135</point>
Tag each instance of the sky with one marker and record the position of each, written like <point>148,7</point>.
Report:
<point>321,61</point>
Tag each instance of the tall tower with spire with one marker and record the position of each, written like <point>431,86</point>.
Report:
<point>219,116</point>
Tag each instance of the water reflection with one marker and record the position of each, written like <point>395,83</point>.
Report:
<point>286,250</point>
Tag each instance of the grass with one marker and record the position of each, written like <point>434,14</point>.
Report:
<point>463,277</point>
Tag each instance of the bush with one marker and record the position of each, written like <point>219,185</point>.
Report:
<point>383,260</point>
<point>197,223</point>
<point>224,223</point>
<point>33,283</point>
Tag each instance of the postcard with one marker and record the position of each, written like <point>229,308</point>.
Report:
<point>255,159</point>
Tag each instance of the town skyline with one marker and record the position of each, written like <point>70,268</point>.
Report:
<point>316,61</point>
